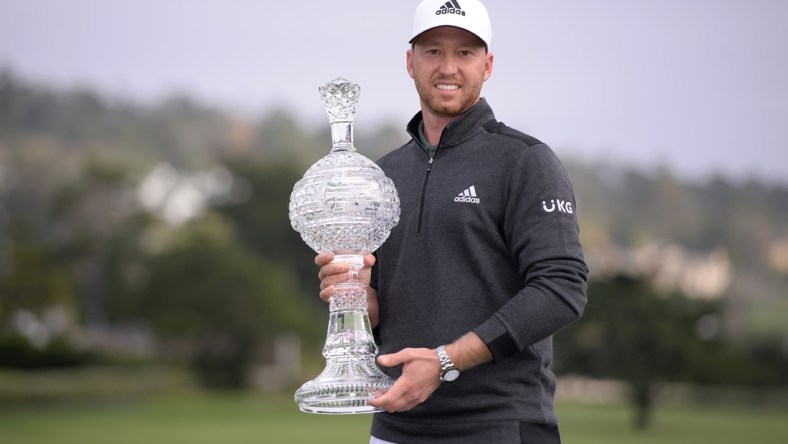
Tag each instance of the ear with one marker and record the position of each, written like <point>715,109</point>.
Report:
<point>409,62</point>
<point>488,65</point>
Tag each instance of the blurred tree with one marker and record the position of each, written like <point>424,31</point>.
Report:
<point>36,280</point>
<point>93,216</point>
<point>281,140</point>
<point>217,300</point>
<point>38,305</point>
<point>632,333</point>
<point>262,221</point>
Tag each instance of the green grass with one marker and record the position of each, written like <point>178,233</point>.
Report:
<point>676,425</point>
<point>186,418</point>
<point>195,418</point>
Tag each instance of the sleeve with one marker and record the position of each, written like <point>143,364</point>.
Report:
<point>541,228</point>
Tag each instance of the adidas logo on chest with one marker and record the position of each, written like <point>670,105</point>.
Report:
<point>469,196</point>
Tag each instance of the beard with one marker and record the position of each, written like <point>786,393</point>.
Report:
<point>447,107</point>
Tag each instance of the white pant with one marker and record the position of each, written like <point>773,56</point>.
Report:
<point>373,440</point>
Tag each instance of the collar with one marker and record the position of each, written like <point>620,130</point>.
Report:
<point>428,147</point>
<point>460,128</point>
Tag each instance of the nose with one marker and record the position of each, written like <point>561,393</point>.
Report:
<point>448,65</point>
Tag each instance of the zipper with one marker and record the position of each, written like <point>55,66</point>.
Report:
<point>424,195</point>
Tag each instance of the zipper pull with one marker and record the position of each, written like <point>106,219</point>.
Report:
<point>429,164</point>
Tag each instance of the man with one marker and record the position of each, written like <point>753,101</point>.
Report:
<point>485,263</point>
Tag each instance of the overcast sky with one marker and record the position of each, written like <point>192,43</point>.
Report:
<point>700,86</point>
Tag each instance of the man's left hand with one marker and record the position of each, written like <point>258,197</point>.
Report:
<point>420,377</point>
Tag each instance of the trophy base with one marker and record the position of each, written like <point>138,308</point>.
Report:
<point>344,388</point>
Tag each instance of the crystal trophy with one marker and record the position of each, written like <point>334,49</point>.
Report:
<point>345,204</point>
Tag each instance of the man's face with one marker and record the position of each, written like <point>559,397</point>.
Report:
<point>449,66</point>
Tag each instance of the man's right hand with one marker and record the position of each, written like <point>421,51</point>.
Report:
<point>331,274</point>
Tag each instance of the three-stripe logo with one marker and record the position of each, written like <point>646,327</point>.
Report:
<point>469,195</point>
<point>451,7</point>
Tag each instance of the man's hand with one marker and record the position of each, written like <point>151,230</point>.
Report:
<point>332,273</point>
<point>421,371</point>
<point>420,377</point>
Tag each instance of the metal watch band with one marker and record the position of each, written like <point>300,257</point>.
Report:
<point>449,371</point>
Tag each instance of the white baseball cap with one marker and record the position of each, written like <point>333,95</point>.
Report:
<point>470,15</point>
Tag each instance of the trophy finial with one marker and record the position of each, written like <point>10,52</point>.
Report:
<point>340,97</point>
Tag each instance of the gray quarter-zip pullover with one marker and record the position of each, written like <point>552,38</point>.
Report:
<point>487,242</point>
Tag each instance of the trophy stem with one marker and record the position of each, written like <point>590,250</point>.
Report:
<point>342,136</point>
<point>351,377</point>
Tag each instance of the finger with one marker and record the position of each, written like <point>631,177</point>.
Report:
<point>333,279</point>
<point>331,275</point>
<point>392,359</point>
<point>325,294</point>
<point>369,260</point>
<point>386,400</point>
<point>324,258</point>
<point>333,269</point>
<point>396,399</point>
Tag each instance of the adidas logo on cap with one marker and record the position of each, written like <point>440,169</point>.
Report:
<point>452,7</point>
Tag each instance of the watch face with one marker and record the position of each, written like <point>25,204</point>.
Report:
<point>451,375</point>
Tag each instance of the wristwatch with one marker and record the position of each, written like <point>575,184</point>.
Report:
<point>449,371</point>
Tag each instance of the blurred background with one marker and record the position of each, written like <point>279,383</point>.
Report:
<point>151,286</point>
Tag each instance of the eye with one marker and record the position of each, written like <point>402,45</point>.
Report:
<point>464,53</point>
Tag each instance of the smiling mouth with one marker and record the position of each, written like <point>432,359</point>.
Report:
<point>445,87</point>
